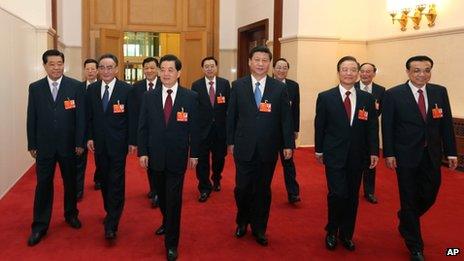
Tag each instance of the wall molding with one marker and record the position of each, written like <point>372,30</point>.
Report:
<point>421,35</point>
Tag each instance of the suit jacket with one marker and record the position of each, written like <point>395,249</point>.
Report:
<point>109,130</point>
<point>139,88</point>
<point>405,132</point>
<point>378,92</point>
<point>249,130</point>
<point>168,147</point>
<point>293,90</point>
<point>50,127</point>
<point>209,114</point>
<point>340,143</point>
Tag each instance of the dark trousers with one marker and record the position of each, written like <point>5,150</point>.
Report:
<point>151,182</point>
<point>97,176</point>
<point>169,187</point>
<point>81,164</point>
<point>369,181</point>
<point>418,187</point>
<point>43,201</point>
<point>253,192</point>
<point>342,199</point>
<point>112,169</point>
<point>289,175</point>
<point>216,145</point>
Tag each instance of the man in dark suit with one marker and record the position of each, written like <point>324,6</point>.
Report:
<point>55,134</point>
<point>213,95</point>
<point>259,124</point>
<point>151,82</point>
<point>281,67</point>
<point>417,130</point>
<point>346,130</point>
<point>366,74</point>
<point>109,118</point>
<point>168,139</point>
<point>90,74</point>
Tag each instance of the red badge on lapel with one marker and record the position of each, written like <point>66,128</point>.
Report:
<point>437,112</point>
<point>265,107</point>
<point>69,104</point>
<point>182,116</point>
<point>118,108</point>
<point>363,115</point>
<point>221,99</point>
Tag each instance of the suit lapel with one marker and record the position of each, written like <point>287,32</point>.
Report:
<point>47,92</point>
<point>61,90</point>
<point>268,90</point>
<point>249,92</point>
<point>411,101</point>
<point>338,101</point>
<point>114,98</point>
<point>176,106</point>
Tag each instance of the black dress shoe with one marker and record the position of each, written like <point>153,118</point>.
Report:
<point>172,254</point>
<point>74,222</point>
<point>348,244</point>
<point>80,195</point>
<point>261,239</point>
<point>330,241</point>
<point>417,256</point>
<point>110,234</point>
<point>35,238</point>
<point>371,198</point>
<point>240,231</point>
<point>154,201</point>
<point>292,199</point>
<point>97,186</point>
<point>203,197</point>
<point>217,186</point>
<point>160,231</point>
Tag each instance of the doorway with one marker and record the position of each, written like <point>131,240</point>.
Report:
<point>250,36</point>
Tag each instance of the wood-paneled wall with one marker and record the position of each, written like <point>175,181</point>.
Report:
<point>173,16</point>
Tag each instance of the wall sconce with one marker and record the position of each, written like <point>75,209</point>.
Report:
<point>419,11</point>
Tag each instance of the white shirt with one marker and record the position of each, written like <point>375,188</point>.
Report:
<point>207,84</point>
<point>352,100</point>
<point>262,84</point>
<point>154,83</point>
<point>110,89</point>
<point>173,94</point>
<point>50,83</point>
<point>414,90</point>
<point>366,88</point>
<point>87,83</point>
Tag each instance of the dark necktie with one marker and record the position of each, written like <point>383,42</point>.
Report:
<point>106,98</point>
<point>421,104</point>
<point>211,93</point>
<point>150,86</point>
<point>168,107</point>
<point>347,103</point>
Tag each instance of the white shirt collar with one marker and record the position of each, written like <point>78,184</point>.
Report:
<point>110,85</point>
<point>50,81</point>
<point>173,94</point>
<point>262,83</point>
<point>363,87</point>
<point>154,83</point>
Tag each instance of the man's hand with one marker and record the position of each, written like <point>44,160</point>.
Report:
<point>288,153</point>
<point>193,162</point>
<point>452,163</point>
<point>132,149</point>
<point>296,135</point>
<point>33,153</point>
<point>230,149</point>
<point>320,158</point>
<point>79,151</point>
<point>143,160</point>
<point>374,161</point>
<point>391,162</point>
<point>90,145</point>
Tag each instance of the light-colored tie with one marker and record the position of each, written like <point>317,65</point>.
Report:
<point>258,94</point>
<point>54,90</point>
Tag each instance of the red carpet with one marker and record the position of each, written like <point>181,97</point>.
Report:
<point>295,232</point>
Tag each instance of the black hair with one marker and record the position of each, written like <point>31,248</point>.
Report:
<point>344,59</point>
<point>90,61</point>
<point>418,58</point>
<point>51,52</point>
<point>260,49</point>
<point>207,59</point>
<point>150,59</point>
<point>282,59</point>
<point>172,58</point>
<point>110,56</point>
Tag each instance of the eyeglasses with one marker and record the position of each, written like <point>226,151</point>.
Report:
<point>347,70</point>
<point>419,71</point>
